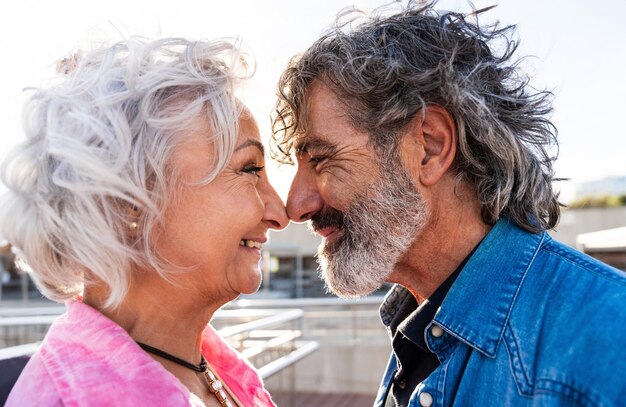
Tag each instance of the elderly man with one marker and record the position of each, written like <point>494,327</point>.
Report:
<point>424,160</point>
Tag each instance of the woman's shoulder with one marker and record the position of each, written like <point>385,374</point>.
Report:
<point>88,360</point>
<point>34,387</point>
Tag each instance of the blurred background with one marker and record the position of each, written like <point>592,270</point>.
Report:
<point>307,343</point>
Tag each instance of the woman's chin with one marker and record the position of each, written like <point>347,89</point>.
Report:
<point>252,284</point>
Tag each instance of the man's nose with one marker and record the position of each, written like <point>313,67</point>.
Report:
<point>304,199</point>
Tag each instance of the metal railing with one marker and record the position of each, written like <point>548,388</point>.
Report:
<point>273,350</point>
<point>354,346</point>
<point>19,350</point>
<point>330,320</point>
<point>55,310</point>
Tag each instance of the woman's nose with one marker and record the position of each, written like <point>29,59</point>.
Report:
<point>275,213</point>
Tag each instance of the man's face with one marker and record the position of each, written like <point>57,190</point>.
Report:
<point>364,206</point>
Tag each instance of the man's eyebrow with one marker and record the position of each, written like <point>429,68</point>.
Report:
<point>316,144</point>
<point>251,143</point>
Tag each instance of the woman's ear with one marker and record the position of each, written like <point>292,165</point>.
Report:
<point>433,131</point>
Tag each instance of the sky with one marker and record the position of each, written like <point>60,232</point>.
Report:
<point>578,50</point>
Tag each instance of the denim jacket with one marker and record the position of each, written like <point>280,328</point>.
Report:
<point>528,322</point>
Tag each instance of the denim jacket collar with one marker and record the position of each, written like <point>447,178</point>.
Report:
<point>478,306</point>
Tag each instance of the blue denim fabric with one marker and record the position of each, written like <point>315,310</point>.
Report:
<point>528,322</point>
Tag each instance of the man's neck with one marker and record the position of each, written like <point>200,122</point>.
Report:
<point>447,239</point>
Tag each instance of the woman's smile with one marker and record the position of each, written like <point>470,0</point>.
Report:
<point>252,245</point>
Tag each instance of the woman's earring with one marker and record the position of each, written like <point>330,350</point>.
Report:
<point>134,214</point>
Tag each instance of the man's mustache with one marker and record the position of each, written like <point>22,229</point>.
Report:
<point>327,217</point>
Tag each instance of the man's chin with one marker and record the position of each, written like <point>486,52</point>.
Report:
<point>343,285</point>
<point>348,295</point>
<point>350,271</point>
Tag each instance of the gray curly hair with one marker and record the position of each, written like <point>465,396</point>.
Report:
<point>388,69</point>
<point>97,154</point>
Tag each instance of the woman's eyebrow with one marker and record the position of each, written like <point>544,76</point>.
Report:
<point>251,143</point>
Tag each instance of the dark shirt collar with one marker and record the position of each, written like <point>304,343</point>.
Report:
<point>415,323</point>
<point>405,315</point>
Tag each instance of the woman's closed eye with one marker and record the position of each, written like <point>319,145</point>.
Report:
<point>253,169</point>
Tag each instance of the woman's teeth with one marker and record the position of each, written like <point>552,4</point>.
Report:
<point>250,243</point>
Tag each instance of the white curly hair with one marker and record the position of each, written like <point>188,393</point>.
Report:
<point>96,159</point>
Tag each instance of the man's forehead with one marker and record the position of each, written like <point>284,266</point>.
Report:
<point>322,100</point>
<point>326,122</point>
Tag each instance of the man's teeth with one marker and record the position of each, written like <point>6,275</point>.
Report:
<point>250,243</point>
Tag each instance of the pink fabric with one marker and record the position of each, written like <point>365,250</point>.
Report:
<point>88,360</point>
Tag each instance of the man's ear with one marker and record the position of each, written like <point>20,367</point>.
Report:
<point>433,129</point>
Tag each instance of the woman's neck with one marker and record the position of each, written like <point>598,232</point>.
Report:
<point>162,315</point>
<point>166,316</point>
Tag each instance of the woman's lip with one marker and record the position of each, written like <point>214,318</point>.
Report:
<point>260,239</point>
<point>254,250</point>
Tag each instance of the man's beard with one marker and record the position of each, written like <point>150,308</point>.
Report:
<point>374,232</point>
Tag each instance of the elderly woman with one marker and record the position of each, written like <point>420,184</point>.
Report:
<point>139,197</point>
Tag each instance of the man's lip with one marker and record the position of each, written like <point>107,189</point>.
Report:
<point>327,231</point>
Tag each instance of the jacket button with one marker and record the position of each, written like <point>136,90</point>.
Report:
<point>436,331</point>
<point>402,384</point>
<point>426,400</point>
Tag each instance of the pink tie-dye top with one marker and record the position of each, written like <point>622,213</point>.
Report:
<point>88,360</point>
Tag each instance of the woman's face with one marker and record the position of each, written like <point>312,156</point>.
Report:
<point>217,229</point>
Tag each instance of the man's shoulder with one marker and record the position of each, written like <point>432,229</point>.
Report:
<point>581,264</point>
<point>571,308</point>
<point>587,279</point>
<point>567,323</point>
<point>562,282</point>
